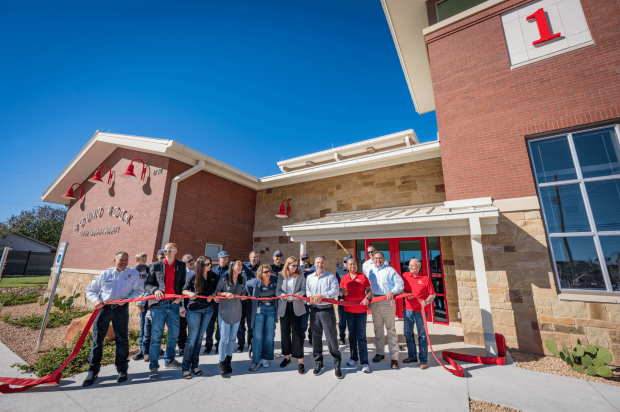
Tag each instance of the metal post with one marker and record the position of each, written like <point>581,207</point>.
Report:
<point>5,255</point>
<point>60,257</point>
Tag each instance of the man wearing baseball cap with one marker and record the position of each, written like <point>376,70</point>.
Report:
<point>220,270</point>
<point>307,268</point>
<point>277,264</point>
<point>160,255</point>
<point>342,317</point>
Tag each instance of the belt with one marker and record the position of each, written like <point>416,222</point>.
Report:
<point>265,303</point>
<point>114,306</point>
<point>323,307</point>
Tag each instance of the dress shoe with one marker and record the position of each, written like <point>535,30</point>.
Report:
<point>122,377</point>
<point>174,364</point>
<point>378,358</point>
<point>338,373</point>
<point>318,368</point>
<point>138,356</point>
<point>301,368</point>
<point>206,351</point>
<point>181,352</point>
<point>240,349</point>
<point>409,360</point>
<point>285,362</point>
<point>90,379</point>
<point>423,366</point>
<point>154,374</point>
<point>394,364</point>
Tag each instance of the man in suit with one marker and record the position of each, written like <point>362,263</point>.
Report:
<point>167,277</point>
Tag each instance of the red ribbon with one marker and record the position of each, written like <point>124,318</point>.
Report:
<point>54,377</point>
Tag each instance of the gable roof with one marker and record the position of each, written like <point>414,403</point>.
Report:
<point>31,239</point>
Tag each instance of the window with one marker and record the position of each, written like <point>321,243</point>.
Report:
<point>578,182</point>
<point>213,249</point>
<point>439,10</point>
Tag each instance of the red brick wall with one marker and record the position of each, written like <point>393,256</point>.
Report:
<point>210,208</point>
<point>485,109</point>
<point>143,200</point>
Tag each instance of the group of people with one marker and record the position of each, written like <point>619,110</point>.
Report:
<point>215,298</point>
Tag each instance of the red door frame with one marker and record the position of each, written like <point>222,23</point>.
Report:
<point>426,266</point>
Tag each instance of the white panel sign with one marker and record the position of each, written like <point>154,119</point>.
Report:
<point>544,28</point>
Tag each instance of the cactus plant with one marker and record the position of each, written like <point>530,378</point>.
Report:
<point>590,359</point>
<point>63,304</point>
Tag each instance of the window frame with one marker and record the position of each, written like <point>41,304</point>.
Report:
<point>220,245</point>
<point>593,233</point>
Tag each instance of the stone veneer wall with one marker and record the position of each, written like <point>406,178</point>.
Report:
<point>524,301</point>
<point>402,185</point>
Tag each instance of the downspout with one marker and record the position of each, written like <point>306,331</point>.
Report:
<point>172,199</point>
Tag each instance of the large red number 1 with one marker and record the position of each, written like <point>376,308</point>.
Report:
<point>543,27</point>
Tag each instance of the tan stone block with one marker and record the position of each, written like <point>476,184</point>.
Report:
<point>614,336</point>
<point>531,227</point>
<point>544,291</point>
<point>614,317</point>
<point>567,309</point>
<point>534,215</point>
<point>582,338</point>
<point>571,329</point>
<point>470,313</point>
<point>597,324</point>
<point>551,319</point>
<point>474,338</point>
<point>513,216</point>
<point>504,318</point>
<point>544,310</point>
<point>596,311</point>
<point>497,298</point>
<point>464,293</point>
<point>597,336</point>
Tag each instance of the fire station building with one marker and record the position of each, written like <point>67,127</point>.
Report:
<point>513,210</point>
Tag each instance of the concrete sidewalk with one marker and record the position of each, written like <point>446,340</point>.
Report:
<point>276,389</point>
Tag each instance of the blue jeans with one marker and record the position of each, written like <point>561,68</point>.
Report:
<point>357,336</point>
<point>197,322</point>
<point>228,334</point>
<point>144,340</point>
<point>263,338</point>
<point>411,318</point>
<point>164,313</point>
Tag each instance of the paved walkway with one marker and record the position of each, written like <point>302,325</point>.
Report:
<point>277,389</point>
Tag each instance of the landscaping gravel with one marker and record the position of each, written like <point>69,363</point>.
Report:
<point>24,291</point>
<point>556,366</point>
<point>480,406</point>
<point>22,341</point>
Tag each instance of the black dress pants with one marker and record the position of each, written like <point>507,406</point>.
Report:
<point>246,315</point>
<point>291,334</point>
<point>323,319</point>
<point>119,316</point>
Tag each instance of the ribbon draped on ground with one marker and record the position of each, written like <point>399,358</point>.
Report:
<point>54,377</point>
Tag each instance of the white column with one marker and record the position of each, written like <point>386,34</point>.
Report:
<point>302,248</point>
<point>483,291</point>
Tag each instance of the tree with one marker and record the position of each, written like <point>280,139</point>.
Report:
<point>41,223</point>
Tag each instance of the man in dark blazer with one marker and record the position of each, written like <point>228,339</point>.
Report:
<point>166,278</point>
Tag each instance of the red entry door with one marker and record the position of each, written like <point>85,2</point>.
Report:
<point>398,253</point>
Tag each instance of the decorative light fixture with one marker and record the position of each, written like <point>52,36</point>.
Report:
<point>283,213</point>
<point>97,177</point>
<point>129,172</point>
<point>70,195</point>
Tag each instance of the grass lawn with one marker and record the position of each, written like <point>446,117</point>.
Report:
<point>23,281</point>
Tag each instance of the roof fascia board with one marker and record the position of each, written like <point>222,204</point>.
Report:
<point>363,144</point>
<point>407,20</point>
<point>415,153</point>
<point>34,240</point>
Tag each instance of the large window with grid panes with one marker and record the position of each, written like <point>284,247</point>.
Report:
<point>578,181</point>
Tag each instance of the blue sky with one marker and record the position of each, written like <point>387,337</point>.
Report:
<point>248,82</point>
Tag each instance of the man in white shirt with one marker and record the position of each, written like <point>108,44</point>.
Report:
<point>369,263</point>
<point>323,285</point>
<point>384,281</point>
<point>118,282</point>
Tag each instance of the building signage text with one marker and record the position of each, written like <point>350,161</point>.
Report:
<point>113,211</point>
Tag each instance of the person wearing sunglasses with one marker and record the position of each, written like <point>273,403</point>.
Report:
<point>220,270</point>
<point>199,312</point>
<point>167,277</point>
<point>191,265</point>
<point>290,310</point>
<point>263,316</point>
<point>307,268</point>
<point>277,265</point>
<point>341,271</point>
<point>369,262</point>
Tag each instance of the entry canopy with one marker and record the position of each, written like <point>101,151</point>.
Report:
<point>471,217</point>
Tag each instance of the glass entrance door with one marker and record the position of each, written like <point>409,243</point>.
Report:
<point>398,253</point>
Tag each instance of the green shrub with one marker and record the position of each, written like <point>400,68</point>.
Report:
<point>591,359</point>
<point>55,319</point>
<point>13,299</point>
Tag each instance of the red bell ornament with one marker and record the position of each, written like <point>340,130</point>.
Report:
<point>70,195</point>
<point>129,172</point>
<point>283,213</point>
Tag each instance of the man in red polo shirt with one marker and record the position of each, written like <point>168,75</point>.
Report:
<point>421,288</point>
<point>355,287</point>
